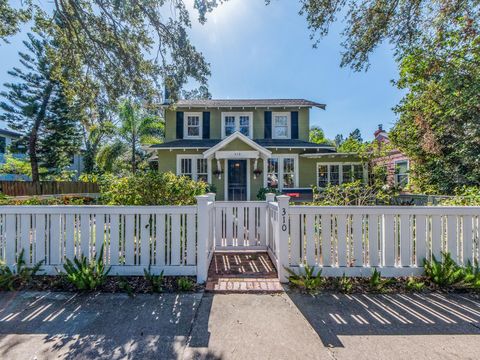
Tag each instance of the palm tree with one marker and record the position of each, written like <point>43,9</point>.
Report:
<point>136,127</point>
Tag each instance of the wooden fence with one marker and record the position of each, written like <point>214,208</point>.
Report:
<point>30,188</point>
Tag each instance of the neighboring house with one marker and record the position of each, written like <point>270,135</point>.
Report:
<point>397,164</point>
<point>6,139</point>
<point>242,146</point>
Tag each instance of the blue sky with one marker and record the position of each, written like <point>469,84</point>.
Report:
<point>259,51</point>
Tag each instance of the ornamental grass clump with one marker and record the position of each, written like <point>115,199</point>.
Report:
<point>306,280</point>
<point>444,273</point>
<point>20,275</point>
<point>85,275</point>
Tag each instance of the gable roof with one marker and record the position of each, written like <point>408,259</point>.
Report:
<point>246,103</point>
<point>240,136</point>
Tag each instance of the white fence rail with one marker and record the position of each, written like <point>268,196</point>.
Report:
<point>353,240</point>
<point>134,238</point>
<point>180,240</point>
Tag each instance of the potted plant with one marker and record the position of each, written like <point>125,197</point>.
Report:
<point>257,172</point>
<point>218,173</point>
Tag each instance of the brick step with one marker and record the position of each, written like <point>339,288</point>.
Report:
<point>244,285</point>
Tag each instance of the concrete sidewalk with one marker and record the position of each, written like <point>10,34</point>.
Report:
<point>189,326</point>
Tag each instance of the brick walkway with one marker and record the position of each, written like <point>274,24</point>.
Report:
<point>242,272</point>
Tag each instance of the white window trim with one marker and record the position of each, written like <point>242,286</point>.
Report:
<point>395,170</point>
<point>280,170</point>
<point>289,124</point>
<point>237,122</point>
<point>340,170</point>
<point>185,125</point>
<point>194,166</point>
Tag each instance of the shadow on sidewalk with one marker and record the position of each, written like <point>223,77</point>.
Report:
<point>334,315</point>
<point>101,326</point>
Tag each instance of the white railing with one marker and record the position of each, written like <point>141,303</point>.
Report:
<point>353,240</point>
<point>133,237</point>
<point>181,240</point>
<point>240,225</point>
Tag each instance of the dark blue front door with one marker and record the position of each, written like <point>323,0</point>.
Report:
<point>237,180</point>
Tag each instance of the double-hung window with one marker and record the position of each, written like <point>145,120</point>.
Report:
<point>193,166</point>
<point>281,125</point>
<point>192,126</point>
<point>336,174</point>
<point>241,121</point>
<point>281,172</point>
<point>401,173</point>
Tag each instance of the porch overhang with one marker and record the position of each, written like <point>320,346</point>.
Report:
<point>257,151</point>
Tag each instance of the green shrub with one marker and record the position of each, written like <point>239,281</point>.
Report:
<point>443,273</point>
<point>307,280</point>
<point>185,284</point>
<point>261,195</point>
<point>345,284</point>
<point>155,281</point>
<point>86,275</point>
<point>377,283</point>
<point>464,196</point>
<point>413,284</point>
<point>471,277</point>
<point>151,188</point>
<point>20,275</point>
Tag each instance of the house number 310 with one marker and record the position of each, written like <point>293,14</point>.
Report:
<point>284,219</point>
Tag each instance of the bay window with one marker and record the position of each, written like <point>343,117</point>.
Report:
<point>193,166</point>
<point>241,121</point>
<point>281,172</point>
<point>336,174</point>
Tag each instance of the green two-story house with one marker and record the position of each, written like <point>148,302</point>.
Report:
<point>242,146</point>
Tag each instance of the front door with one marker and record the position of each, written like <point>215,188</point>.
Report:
<point>237,180</point>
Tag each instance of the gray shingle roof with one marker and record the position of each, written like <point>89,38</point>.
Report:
<point>267,143</point>
<point>227,103</point>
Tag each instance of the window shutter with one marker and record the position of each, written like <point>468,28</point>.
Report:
<point>268,125</point>
<point>179,124</point>
<point>294,125</point>
<point>206,125</point>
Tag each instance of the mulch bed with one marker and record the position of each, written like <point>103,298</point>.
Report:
<point>114,284</point>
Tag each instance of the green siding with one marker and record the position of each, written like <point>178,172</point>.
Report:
<point>258,121</point>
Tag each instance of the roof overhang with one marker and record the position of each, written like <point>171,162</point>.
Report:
<point>329,155</point>
<point>262,152</point>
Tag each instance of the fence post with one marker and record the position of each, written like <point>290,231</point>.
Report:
<point>283,236</point>
<point>202,239</point>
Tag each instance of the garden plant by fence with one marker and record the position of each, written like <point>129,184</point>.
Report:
<point>180,240</point>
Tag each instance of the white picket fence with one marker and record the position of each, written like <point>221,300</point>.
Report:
<point>180,240</point>
<point>352,240</point>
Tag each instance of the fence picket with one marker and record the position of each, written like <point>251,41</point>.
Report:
<point>310,239</point>
<point>452,231</point>
<point>388,237</point>
<point>373,254</point>
<point>69,236</point>
<point>436,236</point>
<point>55,238</point>
<point>420,239</point>
<point>405,237</point>
<point>114,239</point>
<point>240,226</point>
<point>25,237</point>
<point>145,240</point>
<point>295,240</point>
<point>85,234</point>
<point>160,240</point>
<point>130,239</point>
<point>467,239</point>
<point>357,237</point>
<point>342,239</point>
<point>191,253</point>
<point>175,244</point>
<point>326,236</point>
<point>99,234</point>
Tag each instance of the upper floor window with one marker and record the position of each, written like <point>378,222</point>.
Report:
<point>193,126</point>
<point>281,125</point>
<point>336,174</point>
<point>401,173</point>
<point>242,122</point>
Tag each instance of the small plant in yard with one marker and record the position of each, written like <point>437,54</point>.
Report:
<point>86,275</point>
<point>155,281</point>
<point>185,284</point>
<point>472,275</point>
<point>443,273</point>
<point>124,285</point>
<point>345,284</point>
<point>307,280</point>
<point>414,284</point>
<point>21,274</point>
<point>377,283</point>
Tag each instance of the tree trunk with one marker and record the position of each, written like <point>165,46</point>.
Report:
<point>134,163</point>
<point>33,139</point>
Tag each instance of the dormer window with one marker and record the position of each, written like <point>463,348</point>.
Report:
<point>239,121</point>
<point>281,125</point>
<point>193,126</point>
